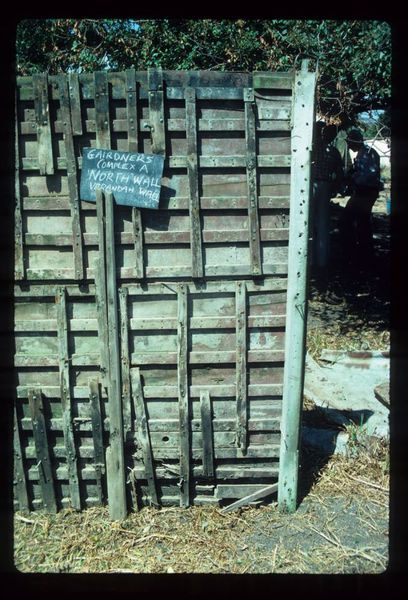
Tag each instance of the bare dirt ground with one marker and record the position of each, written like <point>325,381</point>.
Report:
<point>341,526</point>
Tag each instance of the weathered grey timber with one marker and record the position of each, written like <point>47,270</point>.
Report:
<point>97,436</point>
<point>42,115</point>
<point>302,133</point>
<point>207,434</point>
<point>115,452</point>
<point>143,434</point>
<point>42,454</point>
<point>20,484</point>
<point>210,312</point>
<point>67,418</point>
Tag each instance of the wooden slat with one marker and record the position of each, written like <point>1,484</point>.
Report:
<point>18,222</point>
<point>125,362</point>
<point>302,134</point>
<point>251,165</point>
<point>143,434</point>
<point>100,290</point>
<point>192,171</point>
<point>132,111</point>
<point>257,495</point>
<point>97,436</point>
<point>241,366</point>
<point>102,119</point>
<point>75,103</point>
<point>207,434</point>
<point>133,146</point>
<point>137,233</point>
<point>42,117</point>
<point>156,111</point>
<point>67,422</point>
<point>216,236</point>
<point>72,177</point>
<point>20,483</point>
<point>183,394</point>
<point>115,461</point>
<point>41,450</point>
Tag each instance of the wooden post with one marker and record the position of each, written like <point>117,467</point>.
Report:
<point>192,170</point>
<point>45,474</point>
<point>302,134</point>
<point>65,387</point>
<point>143,434</point>
<point>20,483</point>
<point>19,271</point>
<point>183,395</point>
<point>72,176</point>
<point>124,338</point>
<point>241,366</point>
<point>115,459</point>
<point>207,434</point>
<point>251,159</point>
<point>42,116</point>
<point>97,435</point>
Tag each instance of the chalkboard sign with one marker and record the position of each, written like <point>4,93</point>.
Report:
<point>133,179</point>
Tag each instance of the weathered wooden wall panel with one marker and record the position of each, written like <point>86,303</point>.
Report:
<point>194,351</point>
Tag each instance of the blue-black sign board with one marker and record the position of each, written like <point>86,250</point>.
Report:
<point>134,179</point>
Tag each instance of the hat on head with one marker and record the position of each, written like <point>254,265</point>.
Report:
<point>354,135</point>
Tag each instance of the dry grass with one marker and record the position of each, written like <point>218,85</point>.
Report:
<point>340,527</point>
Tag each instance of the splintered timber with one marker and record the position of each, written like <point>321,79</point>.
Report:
<point>134,179</point>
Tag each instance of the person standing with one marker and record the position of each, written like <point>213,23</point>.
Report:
<point>364,183</point>
<point>328,174</point>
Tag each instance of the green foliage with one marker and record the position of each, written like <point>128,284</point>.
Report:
<point>353,57</point>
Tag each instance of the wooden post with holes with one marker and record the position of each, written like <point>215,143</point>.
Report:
<point>302,135</point>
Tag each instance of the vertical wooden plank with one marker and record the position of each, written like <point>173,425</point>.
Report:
<point>133,146</point>
<point>125,362</point>
<point>103,136</point>
<point>42,117</point>
<point>192,170</point>
<point>97,435</point>
<point>251,163</point>
<point>67,420</point>
<point>183,394</point>
<point>143,434</point>
<point>20,482</point>
<point>156,110</point>
<point>41,447</point>
<point>100,289</point>
<point>241,366</point>
<point>18,221</point>
<point>75,103</point>
<point>132,111</point>
<point>138,242</point>
<point>207,434</point>
<point>303,119</point>
<point>115,455</point>
<point>72,176</point>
